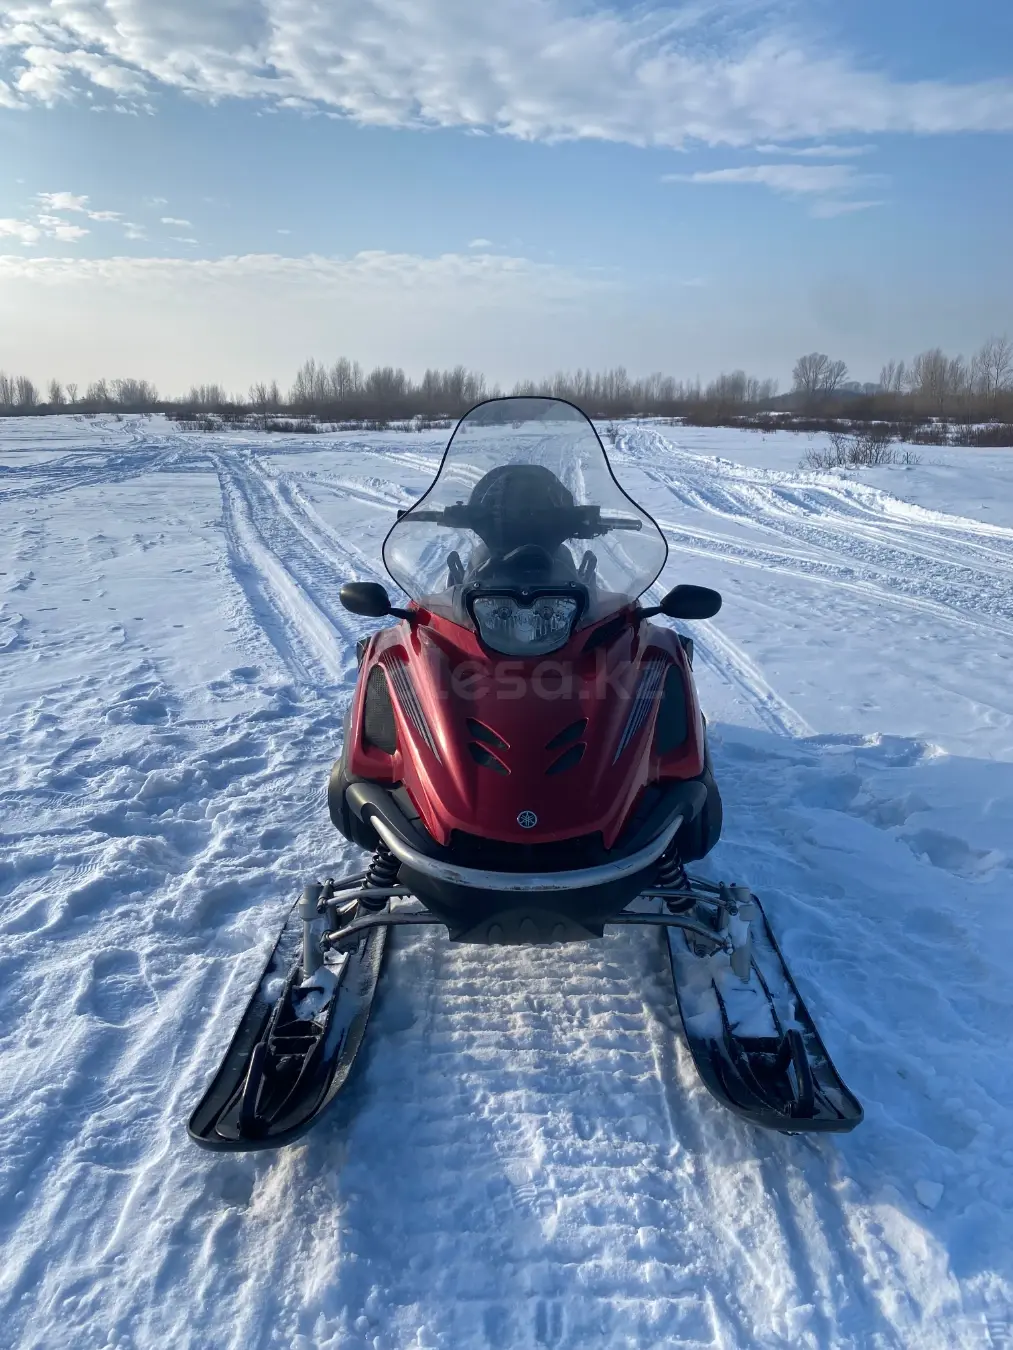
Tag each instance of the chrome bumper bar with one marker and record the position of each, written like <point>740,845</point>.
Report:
<point>526,882</point>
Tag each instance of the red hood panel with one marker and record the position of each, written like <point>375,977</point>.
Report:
<point>478,733</point>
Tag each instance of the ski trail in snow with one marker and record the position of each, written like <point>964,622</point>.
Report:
<point>524,1157</point>
<point>733,666</point>
<point>853,535</point>
<point>305,630</point>
<point>689,540</point>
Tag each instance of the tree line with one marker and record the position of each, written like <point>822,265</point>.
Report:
<point>931,385</point>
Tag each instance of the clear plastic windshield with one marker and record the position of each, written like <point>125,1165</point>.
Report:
<point>525,505</point>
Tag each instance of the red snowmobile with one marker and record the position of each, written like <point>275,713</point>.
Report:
<point>526,761</point>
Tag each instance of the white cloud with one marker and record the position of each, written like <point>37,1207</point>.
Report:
<point>796,179</point>
<point>826,210</point>
<point>480,243</point>
<point>175,220</point>
<point>69,234</point>
<point>44,226</point>
<point>715,71</point>
<point>133,231</point>
<point>832,183</point>
<point>20,229</point>
<point>62,201</point>
<point>57,228</point>
<point>71,201</point>
<point>816,151</point>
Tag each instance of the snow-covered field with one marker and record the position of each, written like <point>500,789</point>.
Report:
<point>524,1157</point>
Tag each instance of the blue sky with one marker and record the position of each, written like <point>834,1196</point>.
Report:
<point>205,189</point>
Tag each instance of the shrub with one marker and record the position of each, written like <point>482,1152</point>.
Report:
<point>848,451</point>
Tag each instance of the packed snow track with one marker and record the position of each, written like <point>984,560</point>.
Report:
<point>524,1156</point>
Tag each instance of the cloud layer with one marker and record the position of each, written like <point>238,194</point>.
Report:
<point>535,69</point>
<point>257,315</point>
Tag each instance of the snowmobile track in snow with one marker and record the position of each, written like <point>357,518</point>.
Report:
<point>525,1157</point>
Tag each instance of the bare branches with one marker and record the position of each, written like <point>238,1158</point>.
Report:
<point>992,369</point>
<point>816,375</point>
<point>849,451</point>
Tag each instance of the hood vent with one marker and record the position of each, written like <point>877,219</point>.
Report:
<point>486,734</point>
<point>672,727</point>
<point>378,727</point>
<point>486,758</point>
<point>651,675</point>
<point>409,700</point>
<point>568,734</point>
<point>568,759</point>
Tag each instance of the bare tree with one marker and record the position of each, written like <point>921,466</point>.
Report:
<point>139,394</point>
<point>992,368</point>
<point>27,393</point>
<point>210,397</point>
<point>817,374</point>
<point>71,392</point>
<point>728,389</point>
<point>55,395</point>
<point>893,377</point>
<point>936,380</point>
<point>834,376</point>
<point>809,373</point>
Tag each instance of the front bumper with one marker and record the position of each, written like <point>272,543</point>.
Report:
<point>420,854</point>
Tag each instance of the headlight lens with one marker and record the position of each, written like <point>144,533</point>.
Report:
<point>516,629</point>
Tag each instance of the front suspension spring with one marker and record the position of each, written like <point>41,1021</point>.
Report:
<point>380,874</point>
<point>672,876</point>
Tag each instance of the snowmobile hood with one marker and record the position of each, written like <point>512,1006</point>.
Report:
<point>526,752</point>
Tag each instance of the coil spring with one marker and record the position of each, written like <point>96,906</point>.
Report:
<point>672,876</point>
<point>381,872</point>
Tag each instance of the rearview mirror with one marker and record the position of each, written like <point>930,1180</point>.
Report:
<point>365,597</point>
<point>690,602</point>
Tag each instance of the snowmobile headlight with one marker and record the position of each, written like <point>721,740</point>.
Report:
<point>517,627</point>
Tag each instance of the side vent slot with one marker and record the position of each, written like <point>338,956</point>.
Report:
<point>568,759</point>
<point>651,678</point>
<point>397,669</point>
<point>486,734</point>
<point>568,734</point>
<point>486,758</point>
<point>672,726</point>
<point>378,728</point>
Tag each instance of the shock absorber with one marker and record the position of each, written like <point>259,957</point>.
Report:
<point>381,874</point>
<point>672,877</point>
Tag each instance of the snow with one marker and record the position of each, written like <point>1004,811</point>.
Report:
<point>524,1156</point>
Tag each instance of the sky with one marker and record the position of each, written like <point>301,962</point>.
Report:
<point>215,190</point>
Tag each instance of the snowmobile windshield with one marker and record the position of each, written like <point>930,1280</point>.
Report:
<point>525,533</point>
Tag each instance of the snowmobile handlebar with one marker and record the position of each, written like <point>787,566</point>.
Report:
<point>572,522</point>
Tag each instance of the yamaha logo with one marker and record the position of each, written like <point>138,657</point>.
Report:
<point>527,820</point>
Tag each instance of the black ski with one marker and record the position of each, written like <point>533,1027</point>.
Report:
<point>755,1045</point>
<point>294,1046</point>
